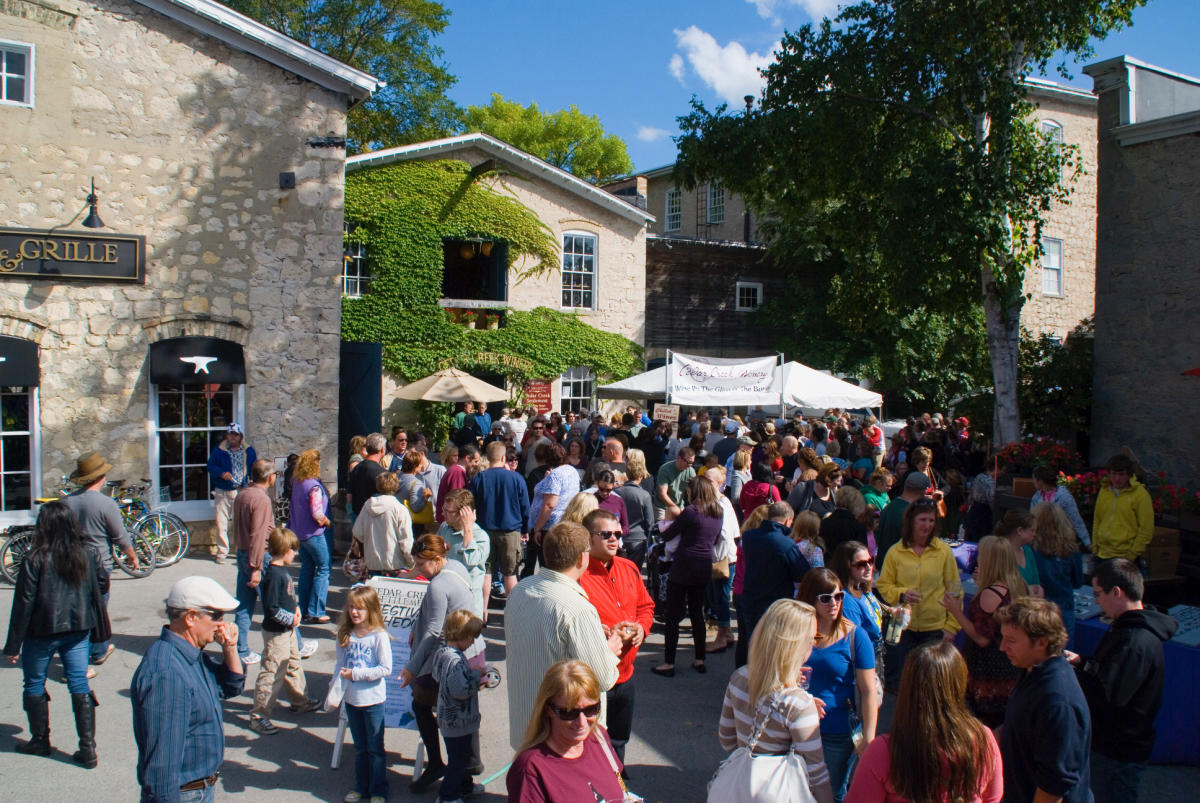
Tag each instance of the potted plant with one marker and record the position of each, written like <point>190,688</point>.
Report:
<point>469,319</point>
<point>493,321</point>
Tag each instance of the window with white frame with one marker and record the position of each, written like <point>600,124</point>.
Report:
<point>674,216</point>
<point>356,275</point>
<point>16,73</point>
<point>18,418</point>
<point>579,270</point>
<point>1053,130</point>
<point>749,296</point>
<point>191,421</point>
<point>1052,266</point>
<point>716,203</point>
<point>578,385</point>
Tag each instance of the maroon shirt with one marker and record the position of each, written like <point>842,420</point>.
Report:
<point>539,775</point>
<point>615,505</point>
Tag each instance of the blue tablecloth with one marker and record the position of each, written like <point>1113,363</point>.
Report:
<point>1177,740</point>
<point>964,553</point>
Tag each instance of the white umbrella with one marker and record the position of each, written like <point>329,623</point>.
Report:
<point>450,385</point>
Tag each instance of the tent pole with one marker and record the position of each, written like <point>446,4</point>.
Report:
<point>667,377</point>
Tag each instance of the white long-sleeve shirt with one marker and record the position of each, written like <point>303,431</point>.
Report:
<point>369,659</point>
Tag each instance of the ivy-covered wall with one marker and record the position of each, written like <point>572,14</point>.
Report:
<point>402,213</point>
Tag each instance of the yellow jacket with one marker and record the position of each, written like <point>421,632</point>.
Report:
<point>1124,521</point>
<point>933,573</point>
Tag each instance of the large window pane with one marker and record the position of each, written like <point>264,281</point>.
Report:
<point>195,484</point>
<point>15,492</point>
<point>14,412</point>
<point>170,448</point>
<point>191,422</point>
<point>14,451</point>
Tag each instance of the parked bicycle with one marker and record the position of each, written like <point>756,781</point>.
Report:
<point>20,542</point>
<point>168,532</point>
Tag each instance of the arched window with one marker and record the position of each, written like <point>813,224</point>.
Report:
<point>1053,130</point>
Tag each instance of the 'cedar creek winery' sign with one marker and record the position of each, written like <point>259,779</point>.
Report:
<point>32,254</point>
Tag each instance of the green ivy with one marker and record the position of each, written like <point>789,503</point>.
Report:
<point>402,213</point>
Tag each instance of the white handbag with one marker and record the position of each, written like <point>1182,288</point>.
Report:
<point>746,778</point>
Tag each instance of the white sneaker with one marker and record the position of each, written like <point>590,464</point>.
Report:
<point>251,658</point>
<point>308,646</point>
<point>352,797</point>
<point>262,725</point>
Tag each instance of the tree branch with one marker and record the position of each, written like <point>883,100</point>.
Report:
<point>931,117</point>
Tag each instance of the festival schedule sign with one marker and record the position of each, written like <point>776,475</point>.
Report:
<point>400,600</point>
<point>705,381</point>
<point>538,396</point>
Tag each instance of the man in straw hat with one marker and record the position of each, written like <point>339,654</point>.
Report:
<point>101,524</point>
<point>177,692</point>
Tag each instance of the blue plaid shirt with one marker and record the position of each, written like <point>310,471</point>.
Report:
<point>177,692</point>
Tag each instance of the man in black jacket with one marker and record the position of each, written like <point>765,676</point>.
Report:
<point>1123,681</point>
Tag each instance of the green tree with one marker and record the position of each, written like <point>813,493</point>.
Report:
<point>390,39</point>
<point>567,138</point>
<point>900,136</point>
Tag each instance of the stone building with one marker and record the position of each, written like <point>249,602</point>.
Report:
<point>216,147</point>
<point>601,240</point>
<point>1147,346</point>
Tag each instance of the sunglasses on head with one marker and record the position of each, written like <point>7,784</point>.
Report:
<point>572,714</point>
<point>924,502</point>
<point>829,599</point>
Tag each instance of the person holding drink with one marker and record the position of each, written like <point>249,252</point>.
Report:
<point>918,571</point>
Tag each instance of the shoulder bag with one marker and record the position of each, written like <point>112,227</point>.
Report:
<point>626,795</point>
<point>746,778</point>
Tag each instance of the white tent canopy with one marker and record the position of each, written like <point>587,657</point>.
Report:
<point>804,387</point>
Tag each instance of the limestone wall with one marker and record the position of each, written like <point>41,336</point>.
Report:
<point>694,209</point>
<point>1074,223</point>
<point>1148,280</point>
<point>186,138</point>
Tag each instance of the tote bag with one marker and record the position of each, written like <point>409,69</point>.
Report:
<point>746,778</point>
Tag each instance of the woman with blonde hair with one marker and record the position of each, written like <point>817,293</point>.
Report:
<point>992,675</point>
<point>806,532</point>
<point>308,518</point>
<point>639,506</point>
<point>768,694</point>
<point>1059,564</point>
<point>566,754</point>
<point>580,505</point>
<point>935,751</point>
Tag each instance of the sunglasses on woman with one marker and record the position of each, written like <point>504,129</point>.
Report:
<point>829,599</point>
<point>571,714</point>
<point>862,564</point>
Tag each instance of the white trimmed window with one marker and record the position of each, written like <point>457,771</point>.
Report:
<point>749,296</point>
<point>674,216</point>
<point>1053,130</point>
<point>190,421</point>
<point>1052,267</point>
<point>579,270</point>
<point>716,203</point>
<point>356,275</point>
<point>16,73</point>
<point>578,385</point>
<point>18,447</point>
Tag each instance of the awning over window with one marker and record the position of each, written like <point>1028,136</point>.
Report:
<point>18,361</point>
<point>197,361</point>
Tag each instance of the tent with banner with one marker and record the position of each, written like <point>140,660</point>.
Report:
<point>812,390</point>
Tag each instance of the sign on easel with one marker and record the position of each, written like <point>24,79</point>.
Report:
<point>400,601</point>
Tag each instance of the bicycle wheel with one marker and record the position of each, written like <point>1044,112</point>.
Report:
<point>143,547</point>
<point>168,534</point>
<point>19,542</point>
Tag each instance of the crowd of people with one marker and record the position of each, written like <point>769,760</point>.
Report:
<point>818,549</point>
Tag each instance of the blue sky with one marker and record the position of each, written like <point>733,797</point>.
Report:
<point>636,64</point>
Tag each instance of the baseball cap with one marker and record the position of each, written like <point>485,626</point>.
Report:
<point>746,440</point>
<point>196,592</point>
<point>916,481</point>
<point>236,428</point>
<point>731,427</point>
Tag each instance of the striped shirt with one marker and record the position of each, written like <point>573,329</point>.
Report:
<point>177,692</point>
<point>549,619</point>
<point>792,723</point>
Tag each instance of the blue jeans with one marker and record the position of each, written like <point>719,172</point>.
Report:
<point>840,761</point>
<point>314,575</point>
<point>247,598</point>
<point>1115,781</point>
<point>718,598</point>
<point>370,759</point>
<point>97,650</point>
<point>36,654</point>
<point>206,795</point>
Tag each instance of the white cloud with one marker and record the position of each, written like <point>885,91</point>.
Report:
<point>816,9</point>
<point>676,67</point>
<point>648,133</point>
<point>728,69</point>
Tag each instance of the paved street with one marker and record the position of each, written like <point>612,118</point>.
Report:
<point>678,716</point>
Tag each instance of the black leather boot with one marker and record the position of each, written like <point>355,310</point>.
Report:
<point>38,711</point>
<point>84,706</point>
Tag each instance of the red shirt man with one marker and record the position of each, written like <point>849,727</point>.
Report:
<point>614,586</point>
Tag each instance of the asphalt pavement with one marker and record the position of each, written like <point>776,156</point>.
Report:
<point>671,757</point>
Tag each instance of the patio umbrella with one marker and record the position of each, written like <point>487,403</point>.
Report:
<point>450,385</point>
